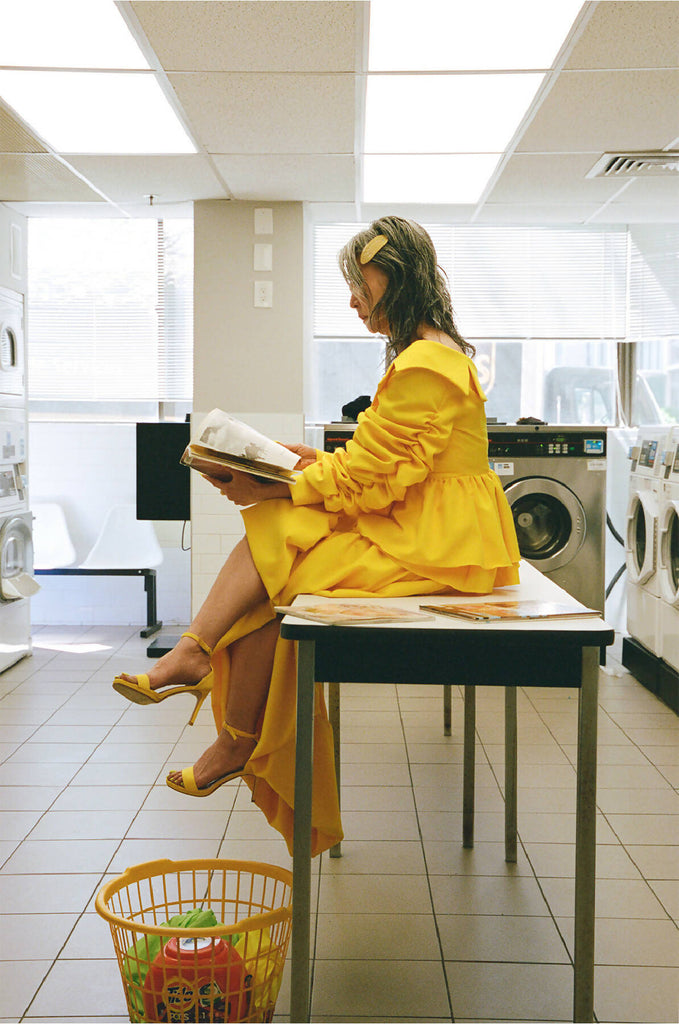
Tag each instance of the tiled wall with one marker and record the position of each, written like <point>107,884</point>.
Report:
<point>217,524</point>
<point>87,468</point>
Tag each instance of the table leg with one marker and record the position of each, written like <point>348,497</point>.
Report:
<point>447,709</point>
<point>334,716</point>
<point>585,839</point>
<point>469,758</point>
<point>510,774</point>
<point>301,843</point>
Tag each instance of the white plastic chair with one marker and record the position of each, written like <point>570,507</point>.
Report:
<point>52,544</point>
<point>124,542</point>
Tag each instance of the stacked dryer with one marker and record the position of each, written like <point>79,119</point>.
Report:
<point>16,548</point>
<point>668,570</point>
<point>643,512</point>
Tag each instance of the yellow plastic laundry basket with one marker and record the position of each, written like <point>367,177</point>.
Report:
<point>227,969</point>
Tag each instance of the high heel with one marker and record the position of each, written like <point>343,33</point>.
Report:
<point>188,783</point>
<point>141,692</point>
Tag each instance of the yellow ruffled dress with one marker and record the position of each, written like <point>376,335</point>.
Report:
<point>410,507</point>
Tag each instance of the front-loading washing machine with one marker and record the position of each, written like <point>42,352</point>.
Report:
<point>668,551</point>
<point>555,481</point>
<point>17,582</point>
<point>643,584</point>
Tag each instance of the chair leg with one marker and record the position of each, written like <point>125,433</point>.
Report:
<point>334,716</point>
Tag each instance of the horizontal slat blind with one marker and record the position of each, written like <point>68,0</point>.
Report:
<point>506,282</point>
<point>102,324</point>
<point>654,282</point>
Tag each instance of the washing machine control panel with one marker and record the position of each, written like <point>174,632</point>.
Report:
<point>546,445</point>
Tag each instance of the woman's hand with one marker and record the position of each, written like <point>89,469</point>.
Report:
<point>245,489</point>
<point>306,454</point>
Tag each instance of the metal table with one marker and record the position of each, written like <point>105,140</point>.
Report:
<point>549,652</point>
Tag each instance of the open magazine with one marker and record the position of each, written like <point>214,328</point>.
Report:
<point>495,611</point>
<point>223,443</point>
<point>336,613</point>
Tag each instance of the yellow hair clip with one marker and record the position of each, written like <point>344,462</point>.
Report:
<point>372,248</point>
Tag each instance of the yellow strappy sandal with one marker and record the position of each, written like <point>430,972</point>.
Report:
<point>141,692</point>
<point>188,784</point>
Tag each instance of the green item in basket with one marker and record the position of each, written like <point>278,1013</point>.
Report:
<point>141,955</point>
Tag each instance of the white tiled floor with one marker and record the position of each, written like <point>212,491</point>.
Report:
<point>410,927</point>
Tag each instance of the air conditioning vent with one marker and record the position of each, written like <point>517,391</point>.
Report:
<point>635,165</point>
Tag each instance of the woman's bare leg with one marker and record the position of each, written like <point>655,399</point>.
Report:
<point>249,677</point>
<point>237,589</point>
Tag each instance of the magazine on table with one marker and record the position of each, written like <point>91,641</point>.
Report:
<point>495,611</point>
<point>336,613</point>
<point>223,443</point>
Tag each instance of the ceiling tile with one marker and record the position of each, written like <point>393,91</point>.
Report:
<point>170,179</point>
<point>257,113</point>
<point>536,213</point>
<point>653,189</point>
<point>555,177</point>
<point>632,34</point>
<point>15,137</point>
<point>262,36</point>
<point>603,111</point>
<point>64,211</point>
<point>638,213</point>
<point>310,178</point>
<point>40,177</point>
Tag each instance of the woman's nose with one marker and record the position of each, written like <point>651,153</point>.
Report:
<point>353,301</point>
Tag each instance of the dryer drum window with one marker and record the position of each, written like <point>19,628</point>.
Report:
<point>543,525</point>
<point>638,536</point>
<point>8,348</point>
<point>671,550</point>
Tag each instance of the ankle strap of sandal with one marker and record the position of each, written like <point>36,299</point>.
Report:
<point>201,643</point>
<point>236,733</point>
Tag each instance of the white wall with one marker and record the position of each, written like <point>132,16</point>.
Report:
<point>247,361</point>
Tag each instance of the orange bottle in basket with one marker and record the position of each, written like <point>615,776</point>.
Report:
<point>196,980</point>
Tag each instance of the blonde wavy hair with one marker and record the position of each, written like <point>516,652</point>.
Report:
<point>417,290</point>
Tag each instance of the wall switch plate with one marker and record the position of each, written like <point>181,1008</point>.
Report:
<point>263,256</point>
<point>263,294</point>
<point>263,221</point>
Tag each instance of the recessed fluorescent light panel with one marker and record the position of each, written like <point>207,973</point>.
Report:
<point>74,108</point>
<point>485,35</point>
<point>96,112</point>
<point>445,113</point>
<point>430,178</point>
<point>67,34</point>
<point>472,73</point>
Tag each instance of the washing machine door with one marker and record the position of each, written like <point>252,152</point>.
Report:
<point>642,528</point>
<point>668,547</point>
<point>16,559</point>
<point>549,519</point>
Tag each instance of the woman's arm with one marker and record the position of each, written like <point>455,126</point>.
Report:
<point>245,489</point>
<point>393,447</point>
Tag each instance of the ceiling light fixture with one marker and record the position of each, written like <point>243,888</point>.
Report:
<point>96,112</point>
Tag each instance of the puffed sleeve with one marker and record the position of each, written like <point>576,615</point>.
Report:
<point>393,447</point>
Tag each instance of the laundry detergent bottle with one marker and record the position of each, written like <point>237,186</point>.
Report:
<point>196,979</point>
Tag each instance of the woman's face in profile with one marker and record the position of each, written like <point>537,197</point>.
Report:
<point>375,285</point>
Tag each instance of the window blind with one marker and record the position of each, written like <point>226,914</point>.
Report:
<point>654,282</point>
<point>506,282</point>
<point>110,310</point>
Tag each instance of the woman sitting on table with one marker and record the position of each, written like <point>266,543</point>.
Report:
<point>410,507</point>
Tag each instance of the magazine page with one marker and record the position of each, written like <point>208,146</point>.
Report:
<point>223,433</point>
<point>335,613</point>
<point>493,611</point>
<point>218,465</point>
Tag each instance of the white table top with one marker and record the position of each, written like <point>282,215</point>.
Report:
<point>533,586</point>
